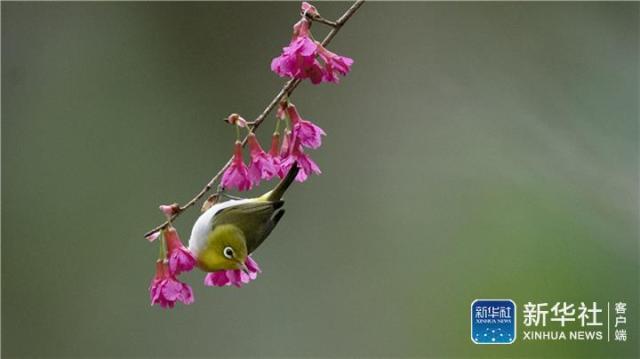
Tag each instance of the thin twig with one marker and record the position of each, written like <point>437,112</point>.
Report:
<point>320,19</point>
<point>286,90</point>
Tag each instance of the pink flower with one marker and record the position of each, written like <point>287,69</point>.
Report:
<point>305,131</point>
<point>180,258</point>
<point>261,166</point>
<point>170,209</point>
<point>235,277</point>
<point>334,64</point>
<point>285,148</point>
<point>166,290</point>
<point>299,56</point>
<point>306,164</point>
<point>309,9</point>
<point>237,174</point>
<point>300,59</point>
<point>274,153</point>
<point>284,154</point>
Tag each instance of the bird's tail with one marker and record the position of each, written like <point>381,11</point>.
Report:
<point>277,193</point>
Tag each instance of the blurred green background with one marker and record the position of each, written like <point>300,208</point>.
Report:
<point>477,150</point>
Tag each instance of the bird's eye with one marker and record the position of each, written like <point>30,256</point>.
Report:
<point>228,252</point>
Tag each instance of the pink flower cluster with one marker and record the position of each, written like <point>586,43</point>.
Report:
<point>165,288</point>
<point>235,277</point>
<point>277,162</point>
<point>307,58</point>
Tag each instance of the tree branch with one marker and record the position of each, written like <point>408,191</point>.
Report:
<point>286,90</point>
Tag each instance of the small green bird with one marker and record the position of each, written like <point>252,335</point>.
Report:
<point>225,234</point>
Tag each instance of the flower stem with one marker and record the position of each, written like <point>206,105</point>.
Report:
<point>162,255</point>
<point>277,130</point>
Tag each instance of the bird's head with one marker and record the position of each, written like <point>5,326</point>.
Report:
<point>225,248</point>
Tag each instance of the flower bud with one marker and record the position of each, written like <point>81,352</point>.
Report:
<point>237,120</point>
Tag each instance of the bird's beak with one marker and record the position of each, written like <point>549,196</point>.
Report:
<point>243,267</point>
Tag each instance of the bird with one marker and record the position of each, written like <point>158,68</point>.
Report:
<point>225,234</point>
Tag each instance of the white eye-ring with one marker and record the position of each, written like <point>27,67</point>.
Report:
<point>228,252</point>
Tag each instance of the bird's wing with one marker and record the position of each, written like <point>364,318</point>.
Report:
<point>255,219</point>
